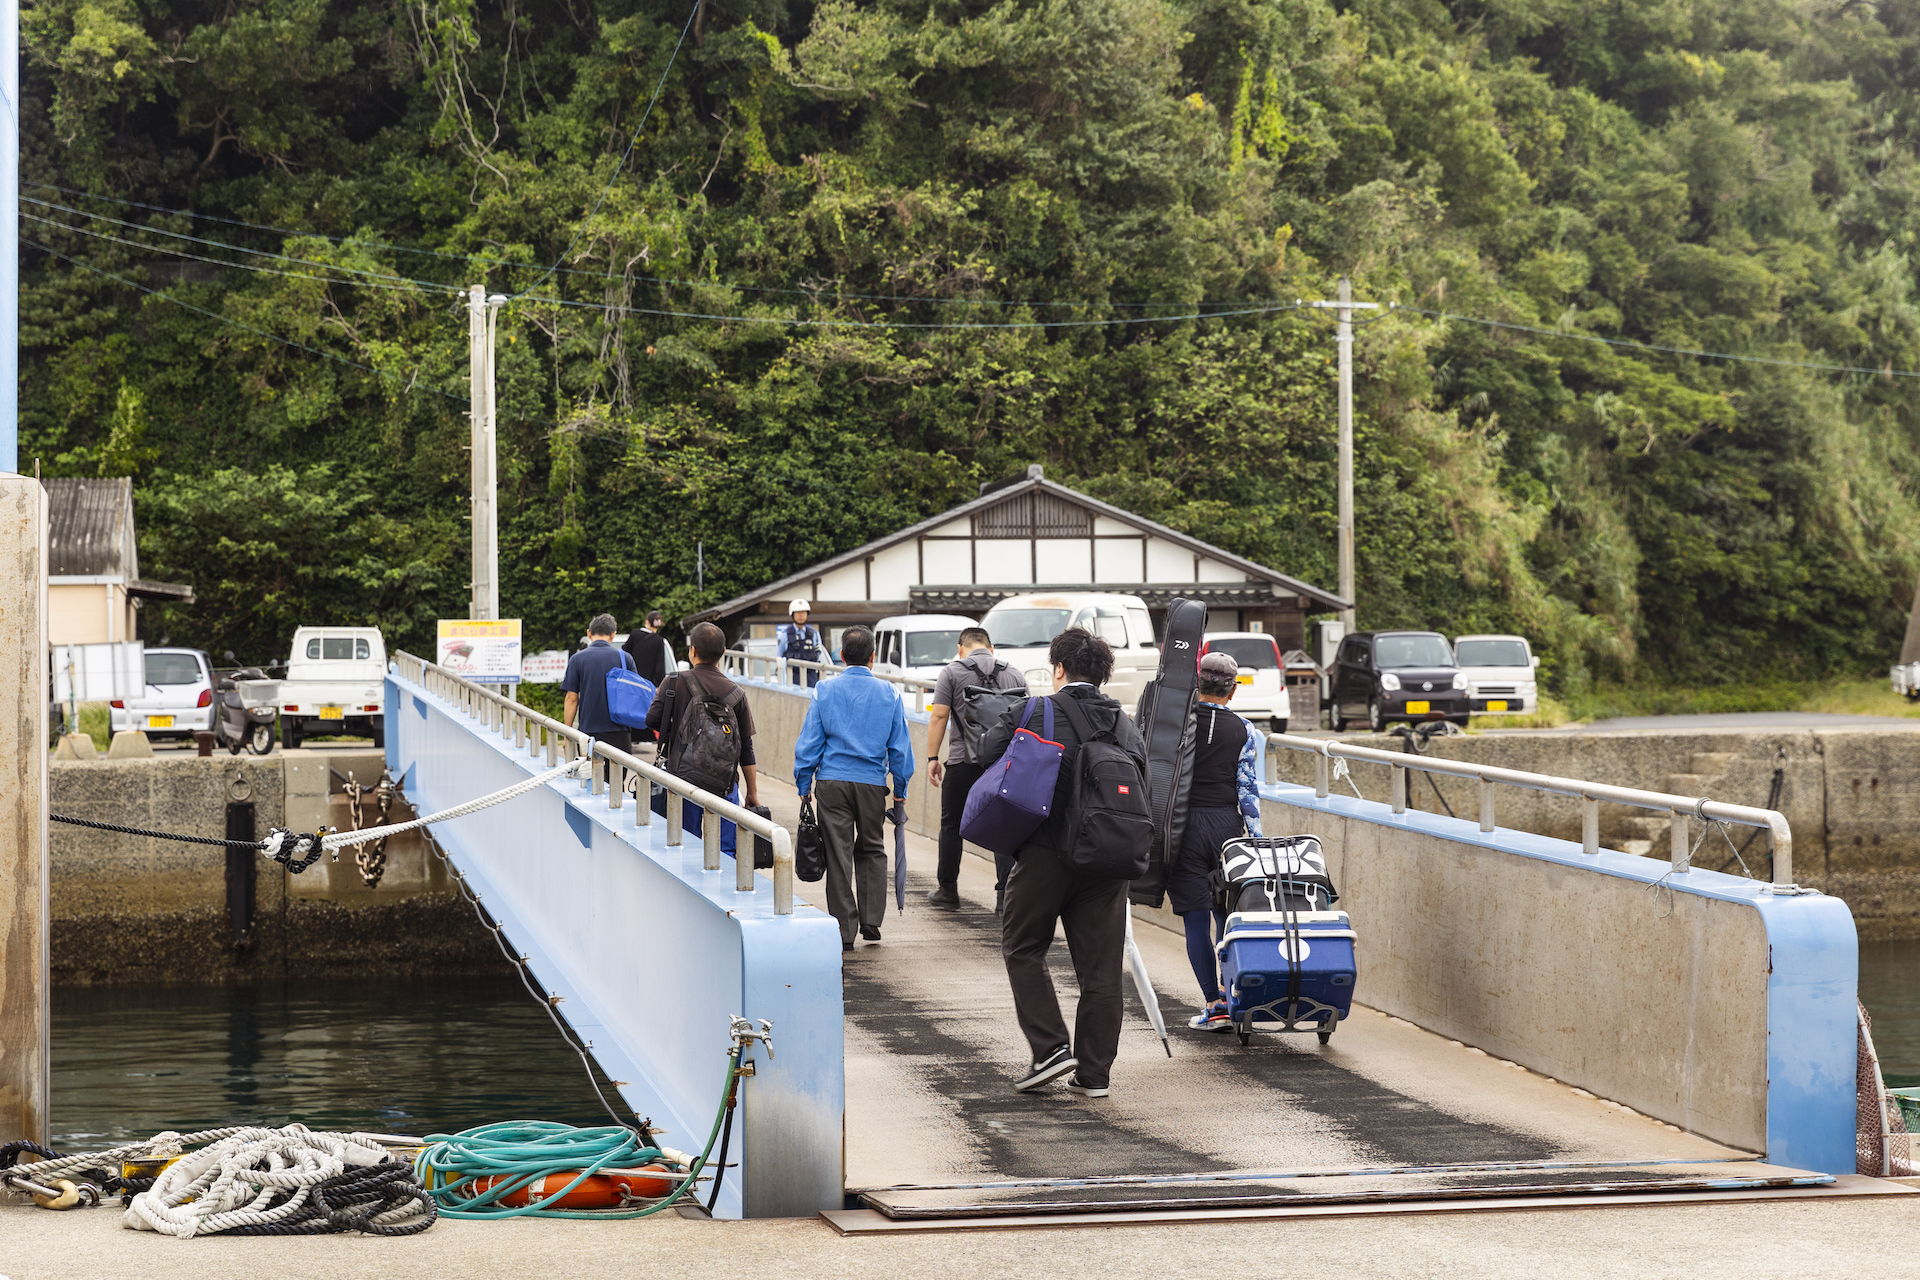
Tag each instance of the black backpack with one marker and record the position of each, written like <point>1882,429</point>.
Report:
<point>980,708</point>
<point>703,746</point>
<point>1109,819</point>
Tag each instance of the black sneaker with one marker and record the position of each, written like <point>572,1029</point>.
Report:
<point>1085,1090</point>
<point>870,933</point>
<point>944,896</point>
<point>1052,1068</point>
<point>846,946</point>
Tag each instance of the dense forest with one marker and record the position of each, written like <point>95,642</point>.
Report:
<point>787,276</point>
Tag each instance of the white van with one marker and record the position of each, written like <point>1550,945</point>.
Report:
<point>917,644</point>
<point>1023,626</point>
<point>1500,672</point>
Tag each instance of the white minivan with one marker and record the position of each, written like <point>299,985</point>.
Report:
<point>1500,672</point>
<point>917,644</point>
<point>178,698</point>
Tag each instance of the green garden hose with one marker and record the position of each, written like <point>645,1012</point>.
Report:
<point>516,1154</point>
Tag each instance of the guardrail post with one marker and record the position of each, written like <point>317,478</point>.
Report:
<point>1681,854</point>
<point>782,872</point>
<point>710,840</point>
<point>743,841</point>
<point>553,748</point>
<point>642,800</point>
<point>1322,782</point>
<point>1589,825</point>
<point>1273,761</point>
<point>595,762</point>
<point>616,784</point>
<point>673,817</point>
<point>1487,822</point>
<point>1399,788</point>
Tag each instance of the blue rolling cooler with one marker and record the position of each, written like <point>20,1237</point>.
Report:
<point>1287,958</point>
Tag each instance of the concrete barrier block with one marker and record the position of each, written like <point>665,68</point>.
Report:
<point>76,746</point>
<point>130,744</point>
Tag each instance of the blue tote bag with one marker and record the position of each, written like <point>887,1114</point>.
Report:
<point>1014,796</point>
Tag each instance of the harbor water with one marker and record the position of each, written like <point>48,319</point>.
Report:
<point>437,1055</point>
<point>409,1056</point>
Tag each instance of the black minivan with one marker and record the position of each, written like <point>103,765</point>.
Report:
<point>1380,676</point>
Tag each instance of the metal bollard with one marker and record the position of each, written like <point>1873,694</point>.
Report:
<point>1486,805</point>
<point>673,817</point>
<point>1399,788</point>
<point>710,840</point>
<point>1681,852</point>
<point>1589,825</point>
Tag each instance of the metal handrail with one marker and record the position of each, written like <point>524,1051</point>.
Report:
<point>519,722</point>
<point>1590,794</point>
<point>736,663</point>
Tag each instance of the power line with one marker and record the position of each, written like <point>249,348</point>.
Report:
<point>218,262</point>
<point>411,384</point>
<point>1258,310</point>
<point>632,142</point>
<point>221,244</point>
<point>1648,346</point>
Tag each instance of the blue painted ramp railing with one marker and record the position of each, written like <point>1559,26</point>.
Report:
<point>649,945</point>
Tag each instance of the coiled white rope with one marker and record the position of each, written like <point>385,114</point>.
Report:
<point>236,1181</point>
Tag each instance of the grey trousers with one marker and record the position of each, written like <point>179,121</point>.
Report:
<point>1042,889</point>
<point>853,817</point>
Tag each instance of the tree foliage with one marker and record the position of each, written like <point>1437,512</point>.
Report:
<point>1064,178</point>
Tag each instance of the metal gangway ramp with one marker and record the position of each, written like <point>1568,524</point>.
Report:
<point>888,1104</point>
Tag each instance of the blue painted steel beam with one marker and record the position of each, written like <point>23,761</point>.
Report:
<point>10,236</point>
<point>650,954</point>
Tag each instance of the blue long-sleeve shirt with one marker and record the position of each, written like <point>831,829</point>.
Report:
<point>855,731</point>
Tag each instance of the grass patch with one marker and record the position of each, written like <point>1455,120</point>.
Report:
<point>1552,713</point>
<point>96,721</point>
<point>1859,698</point>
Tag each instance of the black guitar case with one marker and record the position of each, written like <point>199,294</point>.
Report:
<point>1165,721</point>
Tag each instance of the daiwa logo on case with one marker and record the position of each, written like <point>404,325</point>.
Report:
<point>1183,644</point>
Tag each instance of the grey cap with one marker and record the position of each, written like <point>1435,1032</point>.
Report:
<point>1218,671</point>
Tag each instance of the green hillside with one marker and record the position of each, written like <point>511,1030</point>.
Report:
<point>1007,197</point>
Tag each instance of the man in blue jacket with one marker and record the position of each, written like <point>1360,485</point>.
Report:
<point>855,735</point>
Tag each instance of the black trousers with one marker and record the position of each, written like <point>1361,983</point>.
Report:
<point>618,739</point>
<point>1041,891</point>
<point>853,817</point>
<point>955,783</point>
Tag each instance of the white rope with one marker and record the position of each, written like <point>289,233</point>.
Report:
<point>233,1182</point>
<point>161,1146</point>
<point>573,768</point>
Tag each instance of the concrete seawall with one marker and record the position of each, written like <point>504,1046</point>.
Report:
<point>135,909</point>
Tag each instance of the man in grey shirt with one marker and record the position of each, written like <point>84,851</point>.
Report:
<point>976,666</point>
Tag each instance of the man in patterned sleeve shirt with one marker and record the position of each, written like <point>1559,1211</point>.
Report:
<point>1224,803</point>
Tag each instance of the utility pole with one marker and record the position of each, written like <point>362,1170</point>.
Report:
<point>10,237</point>
<point>482,334</point>
<point>1343,309</point>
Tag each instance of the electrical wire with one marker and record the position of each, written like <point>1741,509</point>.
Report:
<point>632,142</point>
<point>1264,309</point>
<point>410,287</point>
<point>573,271</point>
<point>1648,346</point>
<point>220,244</point>
<point>411,384</point>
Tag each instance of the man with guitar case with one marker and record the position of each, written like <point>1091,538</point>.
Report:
<point>1165,720</point>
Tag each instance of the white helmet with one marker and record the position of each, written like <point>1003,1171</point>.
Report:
<point>798,606</point>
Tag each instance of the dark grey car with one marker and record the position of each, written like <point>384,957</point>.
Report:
<point>1383,676</point>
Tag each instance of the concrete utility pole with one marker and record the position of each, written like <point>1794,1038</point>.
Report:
<point>24,1066</point>
<point>1343,310</point>
<point>482,336</point>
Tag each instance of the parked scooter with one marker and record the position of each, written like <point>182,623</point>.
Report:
<point>239,725</point>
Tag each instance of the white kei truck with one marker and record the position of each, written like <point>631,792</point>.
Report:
<point>335,684</point>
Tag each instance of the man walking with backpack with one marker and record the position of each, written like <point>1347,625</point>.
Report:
<point>969,697</point>
<point>705,725</point>
<point>585,684</point>
<point>1074,870</point>
<point>854,736</point>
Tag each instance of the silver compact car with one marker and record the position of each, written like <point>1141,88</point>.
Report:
<point>178,698</point>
